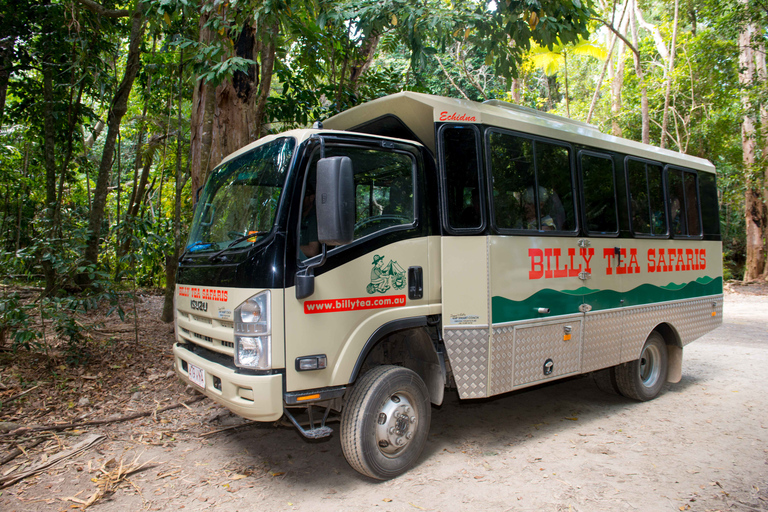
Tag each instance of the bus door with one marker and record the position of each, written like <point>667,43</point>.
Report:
<point>464,258</point>
<point>363,285</point>
<point>606,258</point>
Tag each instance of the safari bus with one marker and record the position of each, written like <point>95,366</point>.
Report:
<point>352,272</point>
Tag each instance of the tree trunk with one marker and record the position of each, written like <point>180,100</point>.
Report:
<point>516,90</point>
<point>172,257</point>
<point>117,111</point>
<point>755,210</point>
<point>670,69</point>
<point>230,116</point>
<point>644,108</point>
<point>617,82</point>
<point>762,75</point>
<point>6,62</point>
<point>49,161</point>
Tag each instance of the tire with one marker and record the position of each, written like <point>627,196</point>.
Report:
<point>606,380</point>
<point>385,422</point>
<point>643,379</point>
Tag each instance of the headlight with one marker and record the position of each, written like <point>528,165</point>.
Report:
<point>253,340</point>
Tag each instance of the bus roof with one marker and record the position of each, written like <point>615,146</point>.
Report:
<point>412,115</point>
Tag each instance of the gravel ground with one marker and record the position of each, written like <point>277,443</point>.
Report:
<point>701,445</point>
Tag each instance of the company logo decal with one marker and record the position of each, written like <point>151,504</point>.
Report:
<point>553,263</point>
<point>455,116</point>
<point>353,304</point>
<point>198,305</point>
<point>203,293</point>
<point>385,276</point>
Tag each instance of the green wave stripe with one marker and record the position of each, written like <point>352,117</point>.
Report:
<point>561,302</point>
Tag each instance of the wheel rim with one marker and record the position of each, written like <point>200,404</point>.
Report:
<point>396,425</point>
<point>650,367</point>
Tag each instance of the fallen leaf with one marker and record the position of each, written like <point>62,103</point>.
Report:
<point>238,477</point>
<point>416,506</point>
<point>573,419</point>
<point>387,500</point>
<point>276,473</point>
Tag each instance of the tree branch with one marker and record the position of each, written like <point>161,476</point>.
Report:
<point>618,34</point>
<point>102,11</point>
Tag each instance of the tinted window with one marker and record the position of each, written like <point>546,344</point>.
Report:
<point>532,184</point>
<point>710,214</point>
<point>682,187</point>
<point>462,177</point>
<point>599,194</point>
<point>384,194</point>
<point>646,198</point>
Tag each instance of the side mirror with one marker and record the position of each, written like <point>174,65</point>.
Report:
<point>335,200</point>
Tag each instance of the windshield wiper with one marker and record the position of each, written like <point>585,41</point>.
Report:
<point>193,246</point>
<point>237,241</point>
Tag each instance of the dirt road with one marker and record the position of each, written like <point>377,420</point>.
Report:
<point>702,445</point>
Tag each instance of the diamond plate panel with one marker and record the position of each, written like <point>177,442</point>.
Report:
<point>617,336</point>
<point>534,345</point>
<point>468,354</point>
<point>502,360</point>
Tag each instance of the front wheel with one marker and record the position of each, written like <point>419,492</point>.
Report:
<point>643,378</point>
<point>385,422</point>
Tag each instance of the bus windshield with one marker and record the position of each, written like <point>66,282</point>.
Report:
<point>241,198</point>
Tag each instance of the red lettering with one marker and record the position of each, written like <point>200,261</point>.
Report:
<point>584,253</point>
<point>679,261</point>
<point>548,274</point>
<point>537,263</point>
<point>690,264</point>
<point>621,268</point>
<point>559,272</point>
<point>662,262</point>
<point>702,259</point>
<point>634,268</point>
<point>573,272</point>
<point>607,255</point>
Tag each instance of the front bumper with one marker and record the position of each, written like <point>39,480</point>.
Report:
<point>255,397</point>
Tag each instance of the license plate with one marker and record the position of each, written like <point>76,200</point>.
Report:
<point>196,375</point>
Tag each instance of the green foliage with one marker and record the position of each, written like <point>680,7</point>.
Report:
<point>15,323</point>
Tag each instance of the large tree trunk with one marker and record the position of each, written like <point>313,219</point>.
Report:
<point>755,209</point>
<point>116,112</point>
<point>231,115</point>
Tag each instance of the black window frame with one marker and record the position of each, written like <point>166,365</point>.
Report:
<point>372,144</point>
<point>574,188</point>
<point>695,173</point>
<point>481,181</point>
<point>582,196</point>
<point>665,200</point>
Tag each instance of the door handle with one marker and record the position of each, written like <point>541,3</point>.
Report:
<point>415,283</point>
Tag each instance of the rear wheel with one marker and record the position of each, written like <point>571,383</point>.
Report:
<point>385,422</point>
<point>643,378</point>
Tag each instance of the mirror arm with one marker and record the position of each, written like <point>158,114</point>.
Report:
<point>305,278</point>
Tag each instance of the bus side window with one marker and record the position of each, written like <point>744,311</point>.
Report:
<point>683,202</point>
<point>646,198</point>
<point>532,184</point>
<point>710,214</point>
<point>462,177</point>
<point>599,194</point>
